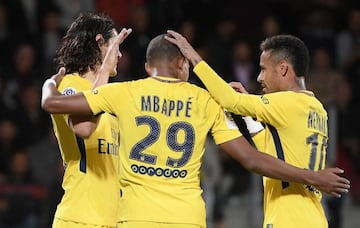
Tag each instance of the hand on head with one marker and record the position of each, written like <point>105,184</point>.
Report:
<point>186,49</point>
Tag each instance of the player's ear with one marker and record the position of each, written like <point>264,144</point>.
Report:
<point>100,39</point>
<point>180,62</point>
<point>148,69</point>
<point>283,67</point>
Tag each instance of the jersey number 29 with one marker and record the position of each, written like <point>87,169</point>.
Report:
<point>186,147</point>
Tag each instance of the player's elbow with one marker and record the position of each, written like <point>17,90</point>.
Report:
<point>83,133</point>
<point>45,105</point>
<point>49,105</point>
<point>84,130</point>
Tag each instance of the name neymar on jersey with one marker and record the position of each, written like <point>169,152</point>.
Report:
<point>318,122</point>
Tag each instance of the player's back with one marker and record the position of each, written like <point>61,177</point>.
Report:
<point>165,157</point>
<point>164,124</point>
<point>91,165</point>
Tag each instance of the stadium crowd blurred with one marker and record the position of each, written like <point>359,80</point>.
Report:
<point>227,34</point>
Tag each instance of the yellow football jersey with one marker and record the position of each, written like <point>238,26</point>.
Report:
<point>296,132</point>
<point>164,124</point>
<point>90,182</point>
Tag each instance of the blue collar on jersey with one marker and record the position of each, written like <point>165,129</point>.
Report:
<point>166,79</point>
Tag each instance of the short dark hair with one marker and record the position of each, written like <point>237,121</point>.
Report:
<point>159,49</point>
<point>79,51</point>
<point>291,49</point>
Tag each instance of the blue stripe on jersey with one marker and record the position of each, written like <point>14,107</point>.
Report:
<point>81,146</point>
<point>279,149</point>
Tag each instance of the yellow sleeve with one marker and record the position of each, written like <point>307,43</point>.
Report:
<point>224,94</point>
<point>216,85</point>
<point>259,140</point>
<point>224,128</point>
<point>105,98</point>
<point>72,84</point>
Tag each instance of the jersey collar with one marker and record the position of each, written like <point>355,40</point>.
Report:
<point>166,79</point>
<point>307,92</point>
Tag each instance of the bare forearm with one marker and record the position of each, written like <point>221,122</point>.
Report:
<point>53,102</point>
<point>102,77</point>
<point>74,105</point>
<point>264,164</point>
<point>269,166</point>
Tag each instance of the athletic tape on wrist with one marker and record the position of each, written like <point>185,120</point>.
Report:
<point>252,125</point>
<point>51,81</point>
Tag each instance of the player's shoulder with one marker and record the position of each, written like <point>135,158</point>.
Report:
<point>201,91</point>
<point>70,78</point>
<point>135,82</point>
<point>204,98</point>
<point>302,97</point>
<point>309,97</point>
<point>282,99</point>
<point>291,96</point>
<point>73,83</point>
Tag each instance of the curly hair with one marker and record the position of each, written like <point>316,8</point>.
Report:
<point>79,51</point>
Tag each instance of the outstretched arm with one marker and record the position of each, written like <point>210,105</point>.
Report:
<point>84,126</point>
<point>110,58</point>
<point>53,102</point>
<point>327,180</point>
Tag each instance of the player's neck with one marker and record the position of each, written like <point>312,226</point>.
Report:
<point>90,75</point>
<point>300,83</point>
<point>294,84</point>
<point>162,72</point>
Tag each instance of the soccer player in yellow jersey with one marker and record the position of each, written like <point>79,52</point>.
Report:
<point>296,124</point>
<point>164,122</point>
<point>89,145</point>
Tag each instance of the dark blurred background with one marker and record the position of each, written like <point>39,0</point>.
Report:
<point>227,33</point>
